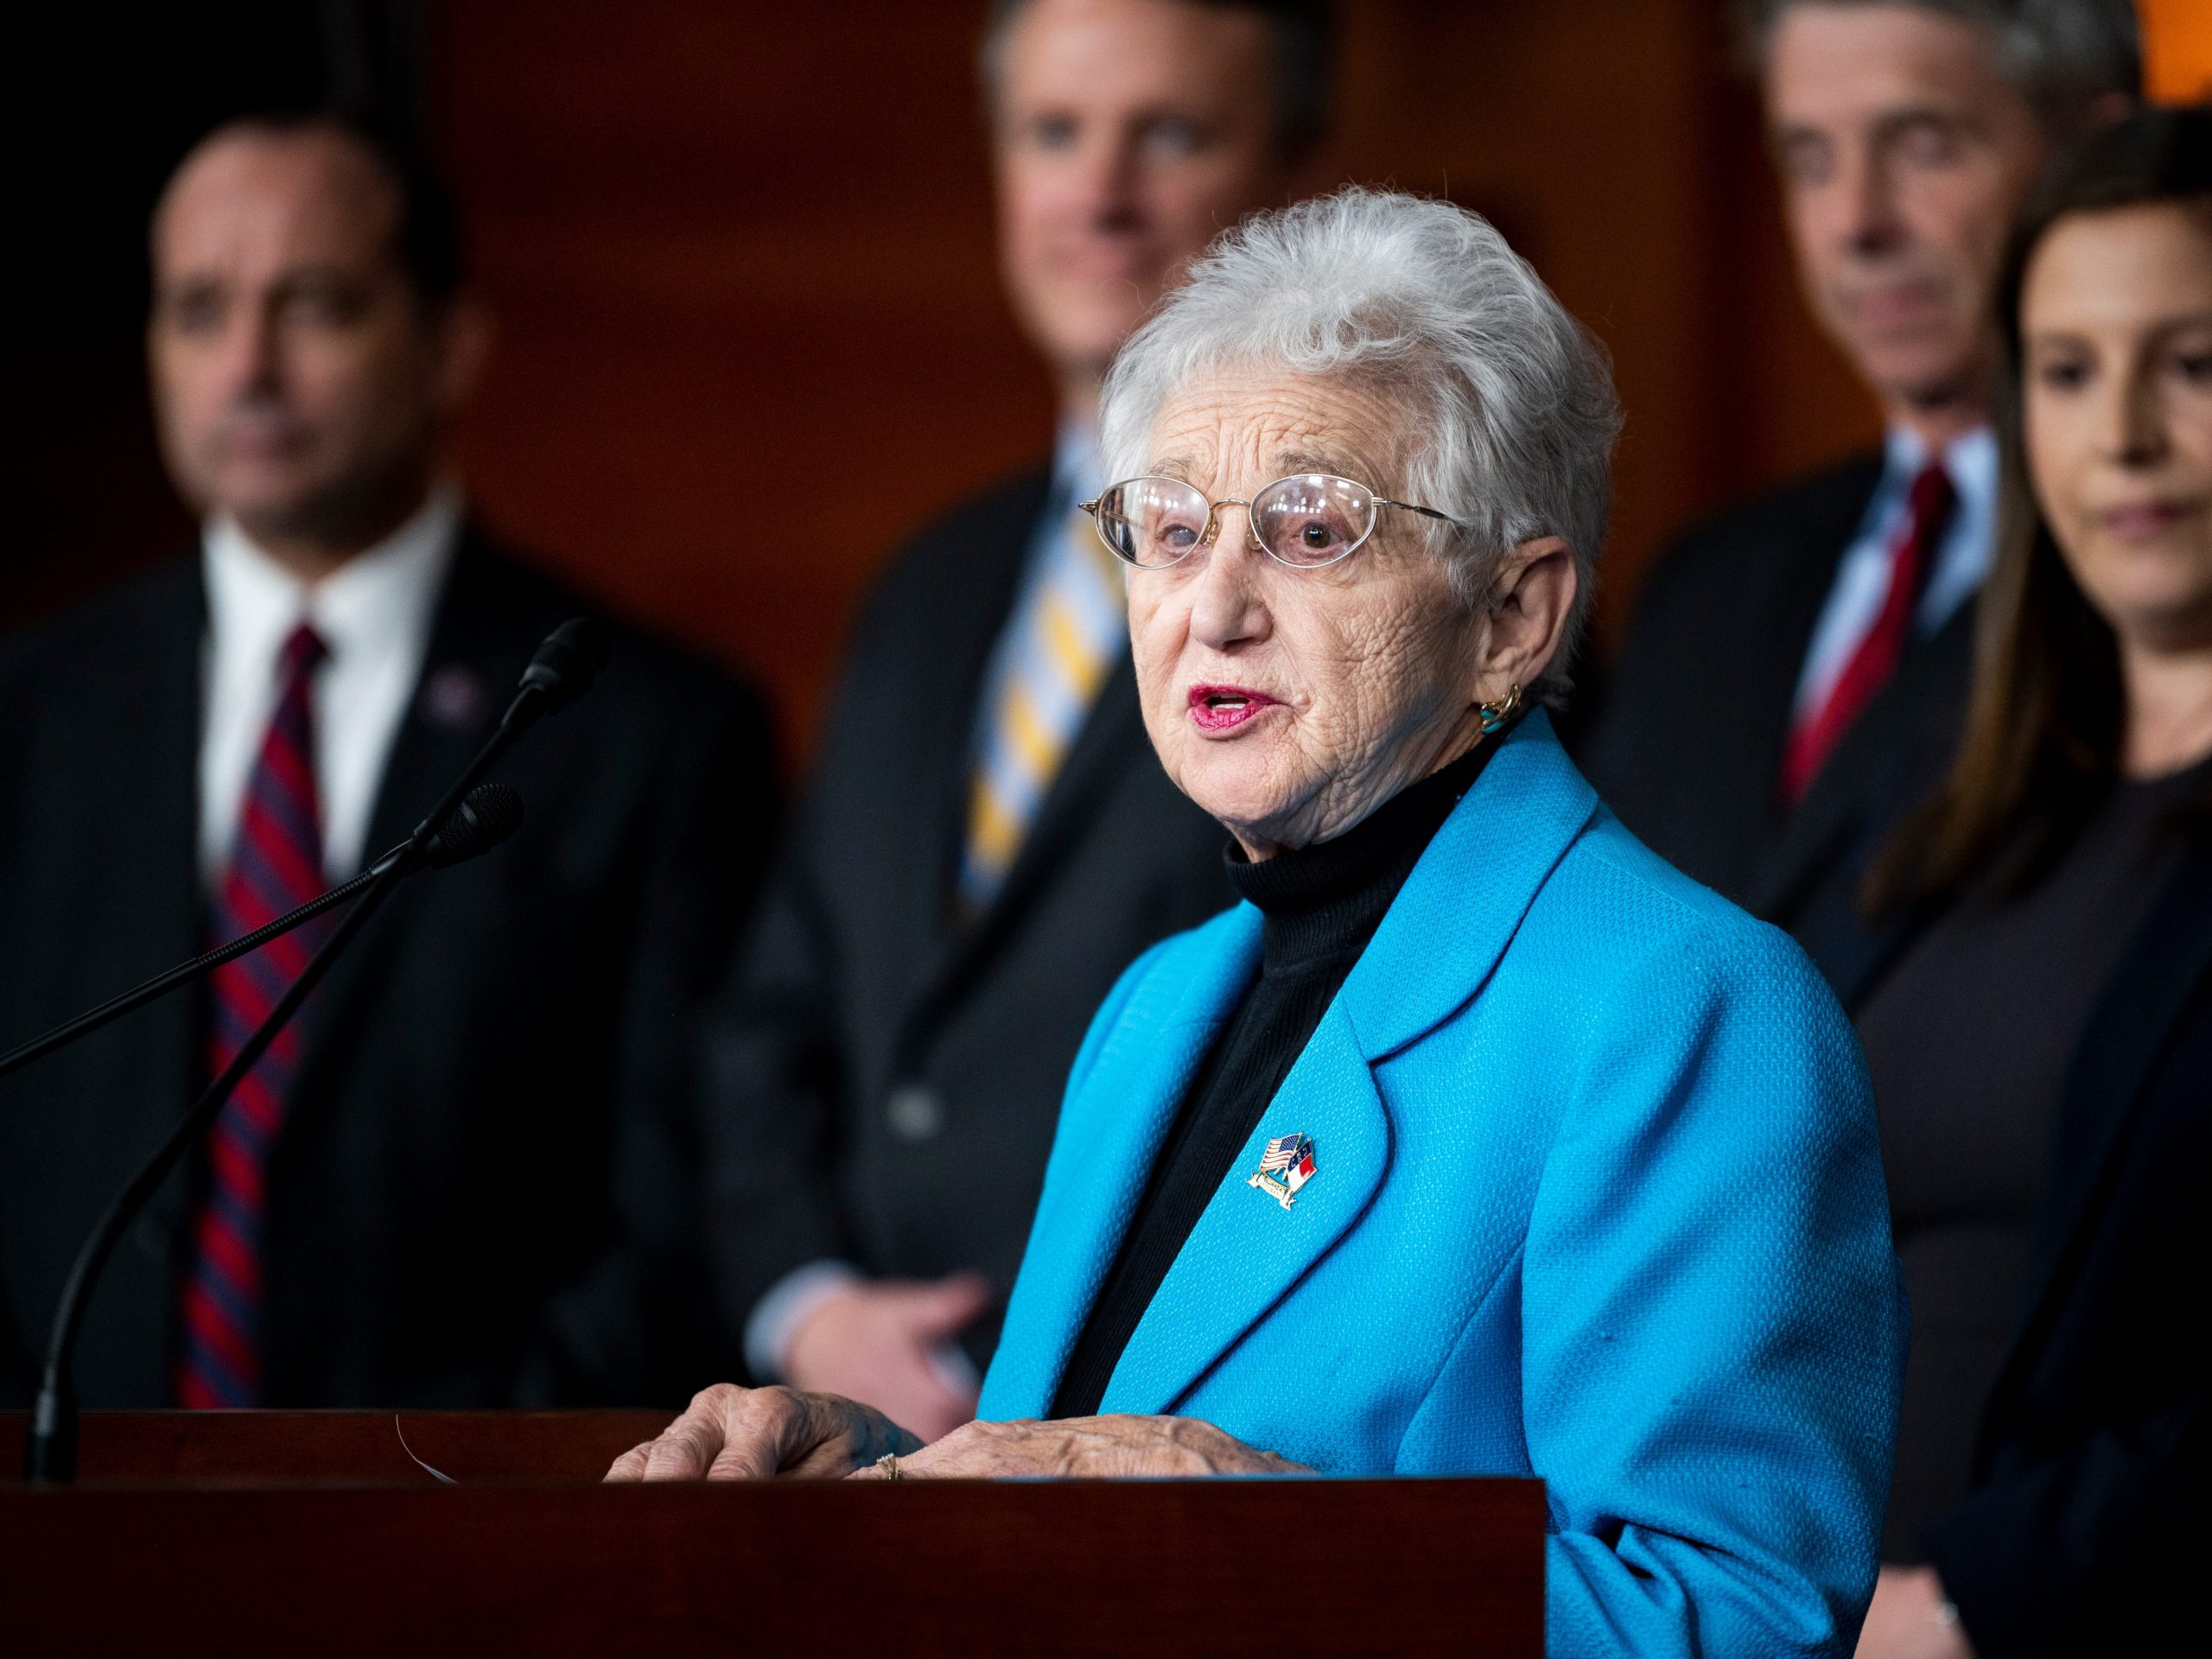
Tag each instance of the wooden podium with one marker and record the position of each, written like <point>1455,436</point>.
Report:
<point>266,1533</point>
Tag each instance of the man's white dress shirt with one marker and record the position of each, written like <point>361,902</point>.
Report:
<point>374,614</point>
<point>1862,580</point>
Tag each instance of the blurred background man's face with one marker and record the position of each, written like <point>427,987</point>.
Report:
<point>1903,150</point>
<point>1129,133</point>
<point>298,385</point>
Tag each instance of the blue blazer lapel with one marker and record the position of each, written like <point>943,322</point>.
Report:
<point>1453,919</point>
<point>1110,1131</point>
<point>1247,1251</point>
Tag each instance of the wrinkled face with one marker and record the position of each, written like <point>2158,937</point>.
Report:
<point>298,385</point>
<point>1129,133</point>
<point>2116,321</point>
<point>1903,152</point>
<point>1290,704</point>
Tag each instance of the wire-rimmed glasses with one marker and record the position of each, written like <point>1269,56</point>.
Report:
<point>1305,521</point>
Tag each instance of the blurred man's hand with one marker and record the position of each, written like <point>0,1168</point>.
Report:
<point>884,1345</point>
<point>1911,1619</point>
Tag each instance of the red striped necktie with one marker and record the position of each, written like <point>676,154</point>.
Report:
<point>275,865</point>
<point>1820,728</point>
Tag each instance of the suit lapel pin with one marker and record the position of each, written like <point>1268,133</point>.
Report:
<point>1286,1166</point>
<point>451,697</point>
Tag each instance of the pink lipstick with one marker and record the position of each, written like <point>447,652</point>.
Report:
<point>2144,521</point>
<point>1224,707</point>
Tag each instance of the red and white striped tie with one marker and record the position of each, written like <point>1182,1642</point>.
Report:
<point>275,865</point>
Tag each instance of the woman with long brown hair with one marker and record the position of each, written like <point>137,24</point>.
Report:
<point>2041,1044</point>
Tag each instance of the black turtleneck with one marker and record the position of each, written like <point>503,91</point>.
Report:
<point>1319,907</point>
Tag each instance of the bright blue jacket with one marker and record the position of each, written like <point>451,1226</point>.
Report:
<point>1597,1197</point>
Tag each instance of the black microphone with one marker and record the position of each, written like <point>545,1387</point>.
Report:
<point>488,817</point>
<point>562,671</point>
<point>567,662</point>
<point>491,813</point>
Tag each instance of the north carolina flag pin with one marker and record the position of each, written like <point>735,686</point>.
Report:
<point>1286,1166</point>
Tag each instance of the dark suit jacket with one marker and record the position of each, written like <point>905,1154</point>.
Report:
<point>1686,743</point>
<point>2091,1515</point>
<point>884,1078</point>
<point>479,1196</point>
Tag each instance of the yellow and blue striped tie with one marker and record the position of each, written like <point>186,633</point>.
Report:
<point>1072,624</point>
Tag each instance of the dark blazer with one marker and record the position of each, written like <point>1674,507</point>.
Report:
<point>884,1077</point>
<point>480,1198</point>
<point>2091,1513</point>
<point>1686,743</point>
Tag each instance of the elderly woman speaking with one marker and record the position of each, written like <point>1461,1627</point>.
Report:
<point>1478,1140</point>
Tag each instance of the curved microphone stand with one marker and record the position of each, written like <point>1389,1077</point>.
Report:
<point>564,666</point>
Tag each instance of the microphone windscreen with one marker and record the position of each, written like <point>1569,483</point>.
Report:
<point>491,813</point>
<point>569,660</point>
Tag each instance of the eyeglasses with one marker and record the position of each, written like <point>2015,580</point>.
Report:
<point>1305,521</point>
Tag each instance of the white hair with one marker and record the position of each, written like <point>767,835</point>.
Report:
<point>1507,400</point>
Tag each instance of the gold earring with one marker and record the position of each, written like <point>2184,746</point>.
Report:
<point>1498,715</point>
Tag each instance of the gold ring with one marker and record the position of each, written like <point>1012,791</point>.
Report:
<point>887,1464</point>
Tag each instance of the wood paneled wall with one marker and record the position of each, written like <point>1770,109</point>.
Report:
<point>752,332</point>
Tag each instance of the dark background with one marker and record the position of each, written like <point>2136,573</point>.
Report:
<point>740,254</point>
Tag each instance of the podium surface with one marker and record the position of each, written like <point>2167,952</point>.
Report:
<point>288,1532</point>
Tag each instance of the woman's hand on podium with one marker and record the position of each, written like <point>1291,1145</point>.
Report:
<point>1085,1448</point>
<point>732,1433</point>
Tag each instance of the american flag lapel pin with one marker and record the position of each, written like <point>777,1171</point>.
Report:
<point>1286,1166</point>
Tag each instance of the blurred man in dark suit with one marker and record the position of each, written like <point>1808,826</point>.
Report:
<point>988,840</point>
<point>1904,131</point>
<point>460,1178</point>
